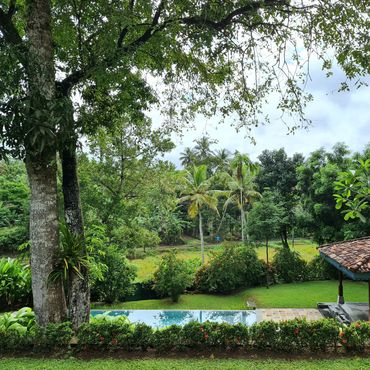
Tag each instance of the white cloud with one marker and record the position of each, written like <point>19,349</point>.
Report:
<point>336,117</point>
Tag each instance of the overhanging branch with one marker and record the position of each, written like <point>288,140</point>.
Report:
<point>11,35</point>
<point>155,26</point>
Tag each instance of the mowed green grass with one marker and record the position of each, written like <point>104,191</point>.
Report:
<point>295,295</point>
<point>147,266</point>
<point>174,364</point>
<point>307,294</point>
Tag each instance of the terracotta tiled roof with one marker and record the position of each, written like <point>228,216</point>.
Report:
<point>354,255</point>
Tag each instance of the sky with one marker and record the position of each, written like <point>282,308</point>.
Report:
<point>336,117</point>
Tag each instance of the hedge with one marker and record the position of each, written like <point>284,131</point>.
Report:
<point>294,336</point>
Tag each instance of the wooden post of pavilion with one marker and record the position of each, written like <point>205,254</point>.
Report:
<point>368,284</point>
<point>340,289</point>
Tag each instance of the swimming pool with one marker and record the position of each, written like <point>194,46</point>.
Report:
<point>162,318</point>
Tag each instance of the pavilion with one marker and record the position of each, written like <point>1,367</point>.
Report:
<point>352,259</point>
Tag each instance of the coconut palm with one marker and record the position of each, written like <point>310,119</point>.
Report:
<point>241,186</point>
<point>187,157</point>
<point>222,159</point>
<point>198,194</point>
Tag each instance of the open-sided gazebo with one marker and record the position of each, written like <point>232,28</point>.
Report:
<point>352,259</point>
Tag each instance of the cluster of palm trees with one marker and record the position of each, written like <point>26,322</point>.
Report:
<point>237,186</point>
<point>218,160</point>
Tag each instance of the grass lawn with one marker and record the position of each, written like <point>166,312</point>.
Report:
<point>194,364</point>
<point>296,295</point>
<point>146,266</point>
<point>307,294</point>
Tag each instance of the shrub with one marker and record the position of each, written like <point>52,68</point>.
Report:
<point>15,283</point>
<point>232,268</point>
<point>265,335</point>
<point>293,336</point>
<point>142,336</point>
<point>322,335</point>
<point>14,340</point>
<point>22,320</point>
<point>232,336</point>
<point>355,337</point>
<point>211,334</point>
<point>172,276</point>
<point>16,330</point>
<point>117,278</point>
<point>12,237</point>
<point>167,339</point>
<point>319,269</point>
<point>106,334</point>
<point>53,337</point>
<point>289,266</point>
<point>196,335</point>
<point>143,290</point>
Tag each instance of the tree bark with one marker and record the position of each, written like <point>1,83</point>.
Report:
<point>201,237</point>
<point>48,296</point>
<point>78,288</point>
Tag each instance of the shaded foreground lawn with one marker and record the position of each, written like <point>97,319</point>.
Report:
<point>194,364</point>
<point>297,295</point>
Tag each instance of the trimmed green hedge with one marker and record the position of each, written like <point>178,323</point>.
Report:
<point>288,336</point>
<point>18,332</point>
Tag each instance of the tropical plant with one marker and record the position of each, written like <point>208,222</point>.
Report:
<point>15,283</point>
<point>71,256</point>
<point>353,189</point>
<point>241,187</point>
<point>198,194</point>
<point>106,317</point>
<point>187,157</point>
<point>222,159</point>
<point>21,321</point>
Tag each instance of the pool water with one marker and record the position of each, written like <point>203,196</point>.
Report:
<point>163,318</point>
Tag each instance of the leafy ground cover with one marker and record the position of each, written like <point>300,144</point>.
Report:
<point>295,295</point>
<point>191,250</point>
<point>195,364</point>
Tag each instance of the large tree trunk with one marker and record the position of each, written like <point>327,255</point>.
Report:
<point>48,296</point>
<point>201,237</point>
<point>78,288</point>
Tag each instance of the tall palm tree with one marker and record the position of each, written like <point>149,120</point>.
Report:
<point>187,157</point>
<point>241,186</point>
<point>203,150</point>
<point>222,159</point>
<point>197,192</point>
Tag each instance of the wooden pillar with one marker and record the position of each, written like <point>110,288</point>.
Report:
<point>340,289</point>
<point>368,317</point>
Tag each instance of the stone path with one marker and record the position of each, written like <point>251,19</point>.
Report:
<point>282,314</point>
